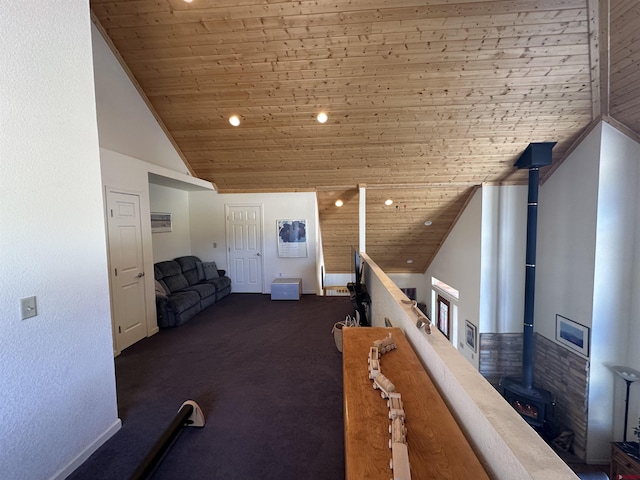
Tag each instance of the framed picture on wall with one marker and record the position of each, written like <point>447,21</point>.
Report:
<point>161,222</point>
<point>471,335</point>
<point>444,315</point>
<point>572,334</point>
<point>292,238</point>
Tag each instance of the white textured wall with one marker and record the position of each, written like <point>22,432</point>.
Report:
<point>57,387</point>
<point>458,264</point>
<point>632,352</point>
<point>504,228</point>
<point>566,239</point>
<point>209,209</point>
<point>176,243</point>
<point>210,227</point>
<point>483,258</point>
<point>417,281</point>
<point>566,242</point>
<point>125,123</point>
<point>587,267</point>
<point>613,294</point>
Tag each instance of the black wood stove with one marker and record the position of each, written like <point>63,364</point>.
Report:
<point>531,402</point>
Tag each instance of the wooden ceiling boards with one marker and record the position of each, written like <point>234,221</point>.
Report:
<point>426,100</point>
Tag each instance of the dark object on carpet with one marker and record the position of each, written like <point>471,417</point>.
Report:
<point>189,414</point>
<point>268,378</point>
<point>564,440</point>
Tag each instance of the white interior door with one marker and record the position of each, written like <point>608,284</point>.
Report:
<point>126,268</point>
<point>244,240</point>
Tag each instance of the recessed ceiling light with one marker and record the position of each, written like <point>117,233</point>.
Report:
<point>428,223</point>
<point>339,203</point>
<point>322,117</point>
<point>188,1</point>
<point>388,201</point>
<point>234,120</point>
<point>409,261</point>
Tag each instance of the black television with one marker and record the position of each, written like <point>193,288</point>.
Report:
<point>356,272</point>
<point>357,267</point>
<point>357,290</point>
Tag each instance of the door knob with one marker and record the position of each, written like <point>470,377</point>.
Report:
<point>141,274</point>
<point>258,254</point>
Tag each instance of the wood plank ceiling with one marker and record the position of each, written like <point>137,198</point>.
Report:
<point>426,99</point>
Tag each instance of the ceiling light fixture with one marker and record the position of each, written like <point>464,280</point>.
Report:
<point>409,261</point>
<point>188,1</point>
<point>234,120</point>
<point>339,203</point>
<point>428,223</point>
<point>388,201</point>
<point>322,117</point>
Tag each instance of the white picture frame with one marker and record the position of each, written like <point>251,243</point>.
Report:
<point>471,335</point>
<point>161,222</point>
<point>292,238</point>
<point>573,335</point>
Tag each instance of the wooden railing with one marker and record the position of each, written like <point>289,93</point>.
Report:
<point>437,447</point>
<point>506,445</point>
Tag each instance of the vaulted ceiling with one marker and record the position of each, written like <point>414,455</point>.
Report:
<point>426,99</point>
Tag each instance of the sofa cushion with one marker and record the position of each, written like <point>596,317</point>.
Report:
<point>200,271</point>
<point>171,276</point>
<point>182,301</point>
<point>189,269</point>
<point>157,274</point>
<point>207,270</point>
<point>223,286</point>
<point>171,318</point>
<point>204,289</point>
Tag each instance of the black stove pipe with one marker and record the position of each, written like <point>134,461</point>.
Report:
<point>530,277</point>
<point>535,156</point>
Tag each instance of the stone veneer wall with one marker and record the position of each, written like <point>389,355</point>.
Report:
<point>566,375</point>
<point>556,369</point>
<point>500,356</point>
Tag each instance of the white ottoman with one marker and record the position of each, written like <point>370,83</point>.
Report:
<point>286,289</point>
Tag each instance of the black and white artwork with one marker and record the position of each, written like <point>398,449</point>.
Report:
<point>292,238</point>
<point>471,333</point>
<point>161,222</point>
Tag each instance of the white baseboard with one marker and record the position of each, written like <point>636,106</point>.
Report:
<point>87,452</point>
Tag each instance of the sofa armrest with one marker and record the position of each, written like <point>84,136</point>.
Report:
<point>161,311</point>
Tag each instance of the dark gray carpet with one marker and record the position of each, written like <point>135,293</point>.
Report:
<point>266,374</point>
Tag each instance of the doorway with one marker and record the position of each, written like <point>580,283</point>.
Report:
<point>444,316</point>
<point>126,268</point>
<point>244,240</point>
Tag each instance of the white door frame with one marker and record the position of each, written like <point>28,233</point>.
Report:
<point>227,207</point>
<point>108,189</point>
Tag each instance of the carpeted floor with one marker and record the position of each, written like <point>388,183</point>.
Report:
<point>266,374</point>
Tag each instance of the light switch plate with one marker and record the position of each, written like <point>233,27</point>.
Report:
<point>28,307</point>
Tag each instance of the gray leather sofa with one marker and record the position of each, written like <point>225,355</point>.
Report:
<point>185,286</point>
